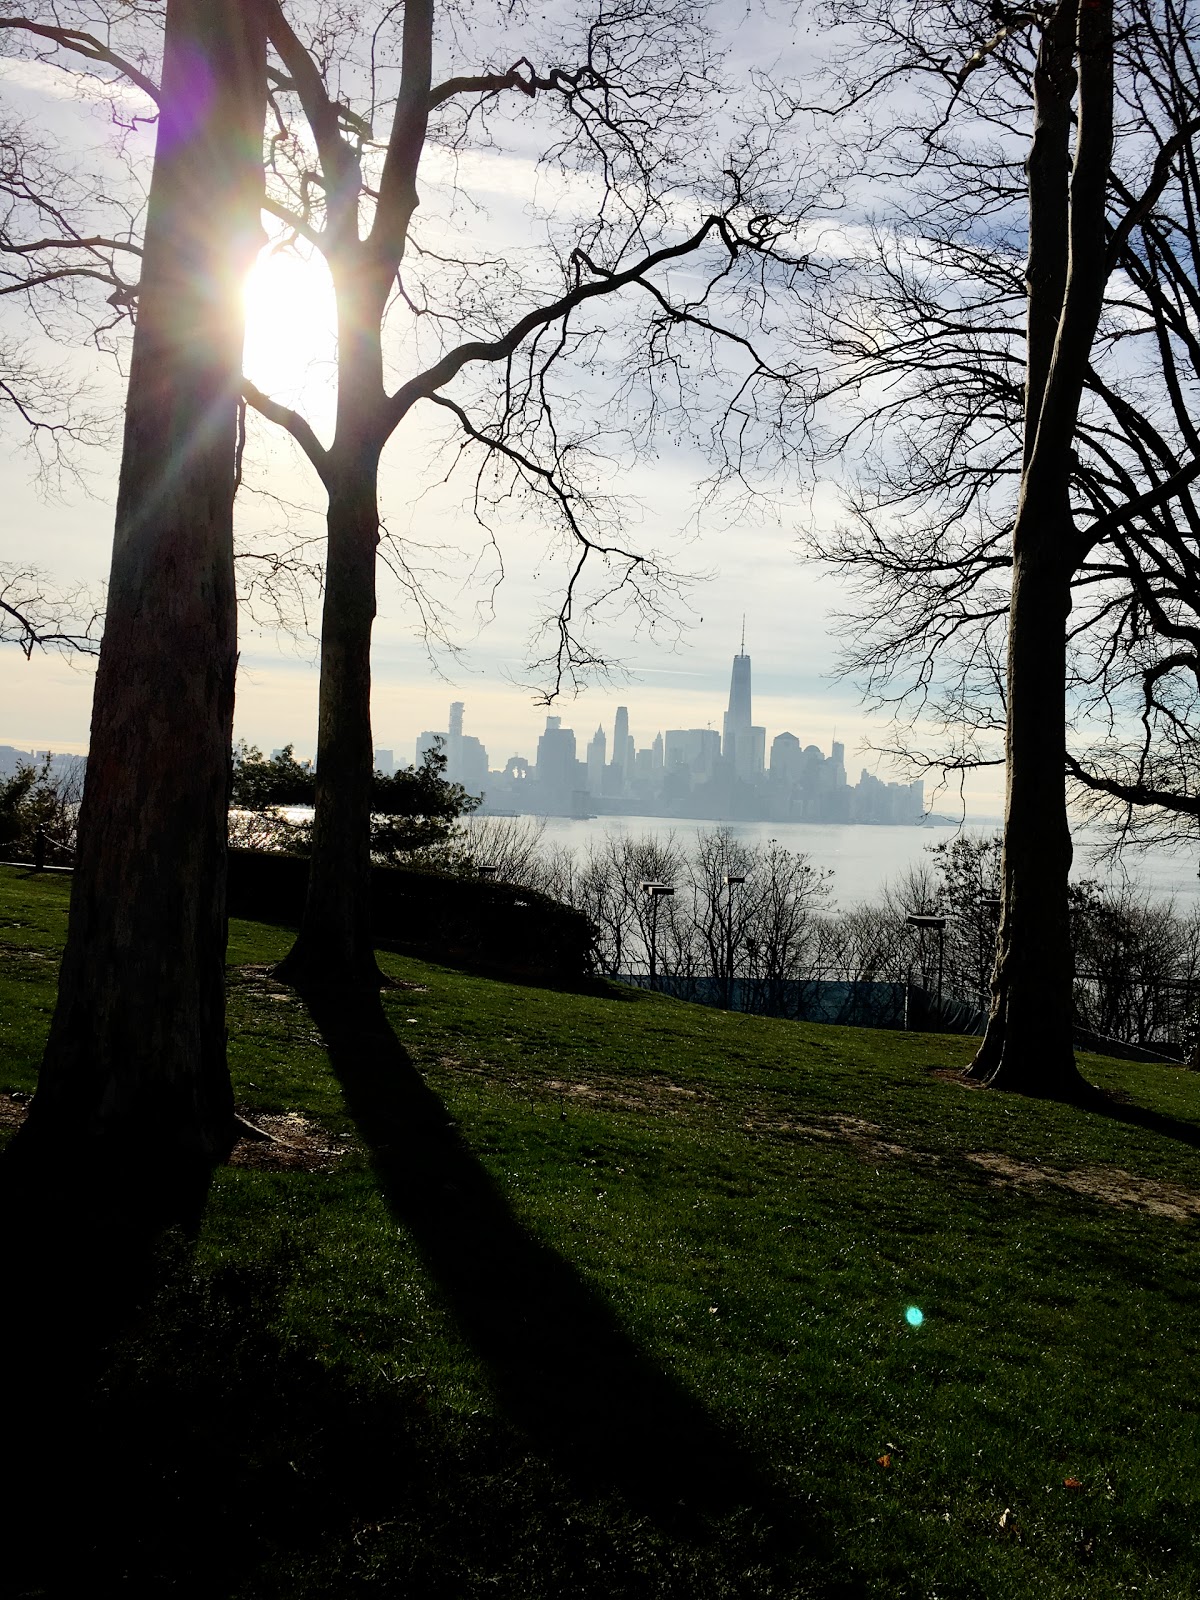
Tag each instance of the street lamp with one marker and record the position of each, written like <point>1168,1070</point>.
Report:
<point>730,879</point>
<point>654,891</point>
<point>940,924</point>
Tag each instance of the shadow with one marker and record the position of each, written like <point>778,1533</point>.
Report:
<point>599,988</point>
<point>216,1457</point>
<point>1104,1103</point>
<point>81,1228</point>
<point>565,1373</point>
<point>163,1434</point>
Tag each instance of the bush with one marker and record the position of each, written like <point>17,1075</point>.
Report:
<point>414,809</point>
<point>472,922</point>
<point>39,798</point>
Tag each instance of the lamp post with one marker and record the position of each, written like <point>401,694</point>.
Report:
<point>940,924</point>
<point>655,892</point>
<point>731,878</point>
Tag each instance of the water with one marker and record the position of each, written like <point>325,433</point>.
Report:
<point>863,858</point>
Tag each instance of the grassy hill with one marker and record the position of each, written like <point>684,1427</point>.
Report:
<point>542,1293</point>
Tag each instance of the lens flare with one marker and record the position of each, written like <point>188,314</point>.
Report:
<point>914,1316</point>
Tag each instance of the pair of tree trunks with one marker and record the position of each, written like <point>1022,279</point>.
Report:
<point>1028,1044</point>
<point>134,1088</point>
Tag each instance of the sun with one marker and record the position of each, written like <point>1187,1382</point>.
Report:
<point>291,331</point>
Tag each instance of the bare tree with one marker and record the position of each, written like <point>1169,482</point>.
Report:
<point>72,217</point>
<point>1008,433</point>
<point>621,112</point>
<point>134,1077</point>
<point>625,117</point>
<point>38,614</point>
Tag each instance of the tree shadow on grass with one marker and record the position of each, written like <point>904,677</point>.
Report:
<point>215,1457</point>
<point>566,1374</point>
<point>1102,1103</point>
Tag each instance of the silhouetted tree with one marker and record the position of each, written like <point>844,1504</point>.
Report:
<point>625,112</point>
<point>1022,421</point>
<point>135,1073</point>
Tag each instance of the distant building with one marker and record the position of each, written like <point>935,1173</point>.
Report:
<point>595,762</point>
<point>735,729</point>
<point>875,800</point>
<point>385,762</point>
<point>557,779</point>
<point>696,750</point>
<point>622,752</point>
<point>454,739</point>
<point>466,758</point>
<point>684,772</point>
<point>472,770</point>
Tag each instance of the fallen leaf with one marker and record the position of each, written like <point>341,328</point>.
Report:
<point>1072,1483</point>
<point>884,1461</point>
<point>1006,1520</point>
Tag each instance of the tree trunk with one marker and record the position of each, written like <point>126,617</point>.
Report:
<point>1028,1045</point>
<point>135,1078</point>
<point>334,945</point>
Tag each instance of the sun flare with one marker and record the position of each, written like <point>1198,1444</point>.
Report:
<point>290,330</point>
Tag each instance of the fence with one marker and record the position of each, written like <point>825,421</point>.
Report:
<point>856,1003</point>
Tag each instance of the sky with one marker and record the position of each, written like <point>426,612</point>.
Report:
<point>742,561</point>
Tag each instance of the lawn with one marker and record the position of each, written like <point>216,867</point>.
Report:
<point>616,1296</point>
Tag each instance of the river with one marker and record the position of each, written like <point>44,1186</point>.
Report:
<point>863,857</point>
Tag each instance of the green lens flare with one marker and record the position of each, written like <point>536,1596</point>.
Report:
<point>914,1316</point>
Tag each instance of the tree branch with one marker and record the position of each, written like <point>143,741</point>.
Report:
<point>88,46</point>
<point>398,197</point>
<point>284,417</point>
<point>426,383</point>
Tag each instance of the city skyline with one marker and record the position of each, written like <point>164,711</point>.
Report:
<point>685,772</point>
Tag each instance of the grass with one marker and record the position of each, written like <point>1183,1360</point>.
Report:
<point>620,1310</point>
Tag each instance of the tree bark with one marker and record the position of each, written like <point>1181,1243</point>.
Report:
<point>135,1078</point>
<point>334,946</point>
<point>1028,1045</point>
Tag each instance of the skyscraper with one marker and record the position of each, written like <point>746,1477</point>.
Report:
<point>737,715</point>
<point>556,777</point>
<point>595,762</point>
<point>621,741</point>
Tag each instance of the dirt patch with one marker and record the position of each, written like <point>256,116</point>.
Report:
<point>631,1094</point>
<point>290,1142</point>
<point>1112,1185</point>
<point>13,1109</point>
<point>655,1094</point>
<point>955,1075</point>
<point>255,979</point>
<point>865,1138</point>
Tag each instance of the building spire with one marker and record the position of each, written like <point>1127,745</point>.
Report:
<point>743,650</point>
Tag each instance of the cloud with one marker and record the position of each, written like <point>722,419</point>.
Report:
<point>63,83</point>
